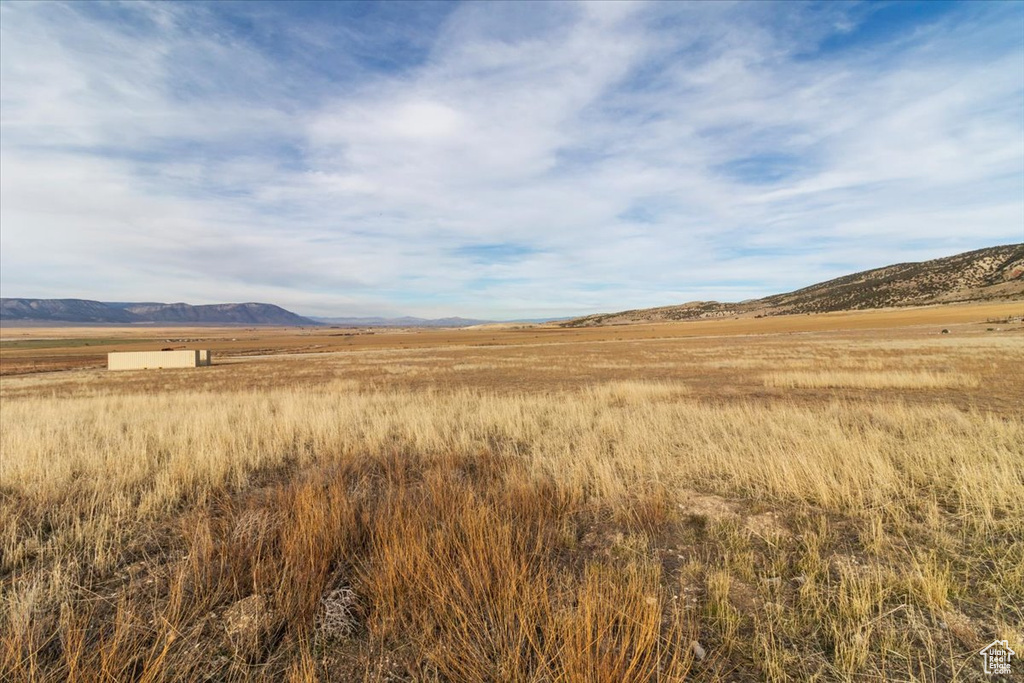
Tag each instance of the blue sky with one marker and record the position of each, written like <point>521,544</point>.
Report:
<point>498,160</point>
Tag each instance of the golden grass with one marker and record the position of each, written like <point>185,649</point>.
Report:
<point>568,525</point>
<point>232,341</point>
<point>893,379</point>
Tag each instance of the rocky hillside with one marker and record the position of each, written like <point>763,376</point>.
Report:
<point>992,274</point>
<point>87,312</point>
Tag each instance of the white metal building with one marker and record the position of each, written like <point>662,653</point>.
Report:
<point>143,360</point>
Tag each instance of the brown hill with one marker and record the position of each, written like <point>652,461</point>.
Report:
<point>991,274</point>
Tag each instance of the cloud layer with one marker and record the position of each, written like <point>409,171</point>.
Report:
<point>498,160</point>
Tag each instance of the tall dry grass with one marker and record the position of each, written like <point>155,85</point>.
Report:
<point>891,379</point>
<point>339,532</point>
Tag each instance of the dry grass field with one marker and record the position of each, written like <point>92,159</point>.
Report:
<point>832,497</point>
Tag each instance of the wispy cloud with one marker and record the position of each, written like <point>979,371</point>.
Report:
<point>498,160</point>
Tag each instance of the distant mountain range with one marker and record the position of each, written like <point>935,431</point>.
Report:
<point>85,312</point>
<point>991,274</point>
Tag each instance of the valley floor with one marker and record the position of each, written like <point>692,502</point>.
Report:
<point>820,498</point>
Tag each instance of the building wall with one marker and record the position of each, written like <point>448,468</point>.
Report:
<point>205,357</point>
<point>141,360</point>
